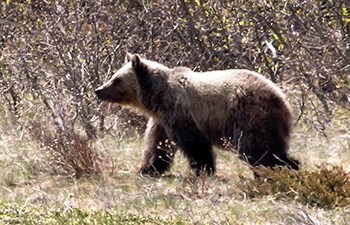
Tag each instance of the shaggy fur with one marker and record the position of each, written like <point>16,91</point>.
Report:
<point>236,108</point>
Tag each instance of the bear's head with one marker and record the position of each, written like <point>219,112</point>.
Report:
<point>122,88</point>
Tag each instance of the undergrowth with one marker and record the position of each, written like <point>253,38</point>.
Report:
<point>325,187</point>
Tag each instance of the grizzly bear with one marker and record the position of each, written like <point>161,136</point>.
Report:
<point>194,111</point>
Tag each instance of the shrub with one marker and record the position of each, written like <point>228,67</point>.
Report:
<point>326,187</point>
<point>71,153</point>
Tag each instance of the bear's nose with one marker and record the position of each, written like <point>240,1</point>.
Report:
<point>99,92</point>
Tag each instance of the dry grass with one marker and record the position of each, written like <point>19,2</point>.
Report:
<point>179,196</point>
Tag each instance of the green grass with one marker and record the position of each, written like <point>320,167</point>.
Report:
<point>30,193</point>
<point>19,214</point>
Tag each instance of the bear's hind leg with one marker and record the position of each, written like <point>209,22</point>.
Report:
<point>261,149</point>
<point>159,152</point>
<point>194,145</point>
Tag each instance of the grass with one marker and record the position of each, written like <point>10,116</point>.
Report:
<point>31,194</point>
<point>16,214</point>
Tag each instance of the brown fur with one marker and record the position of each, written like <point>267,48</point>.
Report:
<point>198,110</point>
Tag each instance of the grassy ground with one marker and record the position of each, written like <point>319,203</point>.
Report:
<point>31,194</point>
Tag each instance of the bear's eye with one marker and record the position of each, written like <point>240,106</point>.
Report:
<point>116,81</point>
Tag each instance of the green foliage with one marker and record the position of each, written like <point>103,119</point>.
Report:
<point>326,187</point>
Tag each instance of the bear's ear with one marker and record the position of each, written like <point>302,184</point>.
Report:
<point>128,57</point>
<point>139,67</point>
<point>135,61</point>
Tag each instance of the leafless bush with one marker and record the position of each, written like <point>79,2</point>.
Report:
<point>70,153</point>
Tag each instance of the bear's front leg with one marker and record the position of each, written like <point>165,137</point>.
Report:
<point>193,143</point>
<point>159,152</point>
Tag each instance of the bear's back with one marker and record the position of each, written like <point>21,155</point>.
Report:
<point>212,97</point>
<point>225,85</point>
<point>245,79</point>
